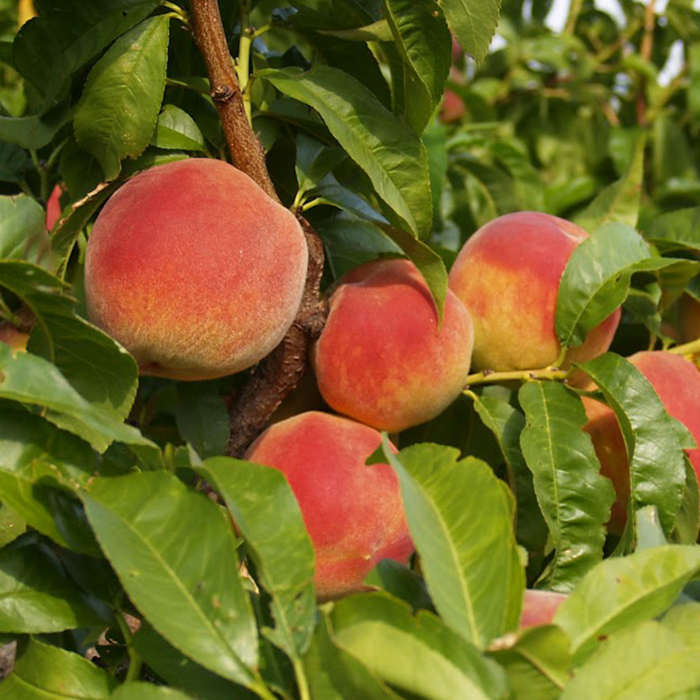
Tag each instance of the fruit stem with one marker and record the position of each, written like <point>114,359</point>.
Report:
<point>243,64</point>
<point>692,348</point>
<point>302,682</point>
<point>246,152</point>
<point>489,377</point>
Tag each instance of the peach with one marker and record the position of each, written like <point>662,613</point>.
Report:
<point>677,382</point>
<point>353,512</point>
<point>689,318</point>
<point>13,337</point>
<point>380,358</point>
<point>540,607</point>
<point>53,207</point>
<point>195,270</point>
<point>507,275</point>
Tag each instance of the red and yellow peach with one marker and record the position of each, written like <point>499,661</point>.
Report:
<point>353,512</point>
<point>507,275</point>
<point>195,270</point>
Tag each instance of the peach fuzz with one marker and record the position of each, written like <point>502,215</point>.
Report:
<point>677,382</point>
<point>353,512</point>
<point>507,275</point>
<point>195,270</point>
<point>540,607</point>
<point>380,358</point>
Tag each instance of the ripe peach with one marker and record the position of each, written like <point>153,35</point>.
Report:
<point>507,275</point>
<point>13,337</point>
<point>381,359</point>
<point>195,270</point>
<point>353,512</point>
<point>677,382</point>
<point>53,207</point>
<point>689,318</point>
<point>540,607</point>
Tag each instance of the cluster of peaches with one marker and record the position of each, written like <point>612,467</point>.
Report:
<point>206,283</point>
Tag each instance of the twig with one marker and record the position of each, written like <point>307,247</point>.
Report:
<point>284,367</point>
<point>246,152</point>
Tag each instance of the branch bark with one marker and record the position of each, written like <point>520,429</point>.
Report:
<point>246,151</point>
<point>281,371</point>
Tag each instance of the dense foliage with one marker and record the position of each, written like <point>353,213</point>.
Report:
<point>109,548</point>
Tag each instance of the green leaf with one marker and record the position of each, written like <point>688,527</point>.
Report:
<point>99,369</point>
<point>654,440</point>
<point>37,595</point>
<point>138,690</point>
<point>684,620</point>
<point>267,514</point>
<point>575,499</point>
<point>40,466</point>
<point>119,107</point>
<point>381,144</point>
<point>596,279</point>
<point>423,39</point>
<point>420,654</point>
<point>23,230</point>
<point>202,418</point>
<point>474,23</point>
<point>177,130</point>
<point>644,662</point>
<point>622,591</point>
<point>619,202</point>
<point>175,554</point>
<point>507,423</point>
<point>51,48</point>
<point>71,223</point>
<point>537,664</point>
<point>12,524</point>
<point>34,131</point>
<point>460,518</point>
<point>179,671</point>
<point>676,229</point>
<point>428,262</point>
<point>687,527</point>
<point>14,163</point>
<point>314,161</point>
<point>334,674</point>
<point>45,672</point>
<point>32,380</point>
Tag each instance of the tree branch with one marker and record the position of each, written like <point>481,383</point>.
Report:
<point>246,152</point>
<point>280,372</point>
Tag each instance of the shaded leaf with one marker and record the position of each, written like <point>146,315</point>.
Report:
<point>383,146</point>
<point>23,230</point>
<point>37,595</point>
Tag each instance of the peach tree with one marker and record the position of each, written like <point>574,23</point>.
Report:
<point>478,527</point>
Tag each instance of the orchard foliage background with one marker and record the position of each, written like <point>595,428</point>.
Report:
<point>502,491</point>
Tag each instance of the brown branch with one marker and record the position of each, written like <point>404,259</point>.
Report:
<point>283,368</point>
<point>246,152</point>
